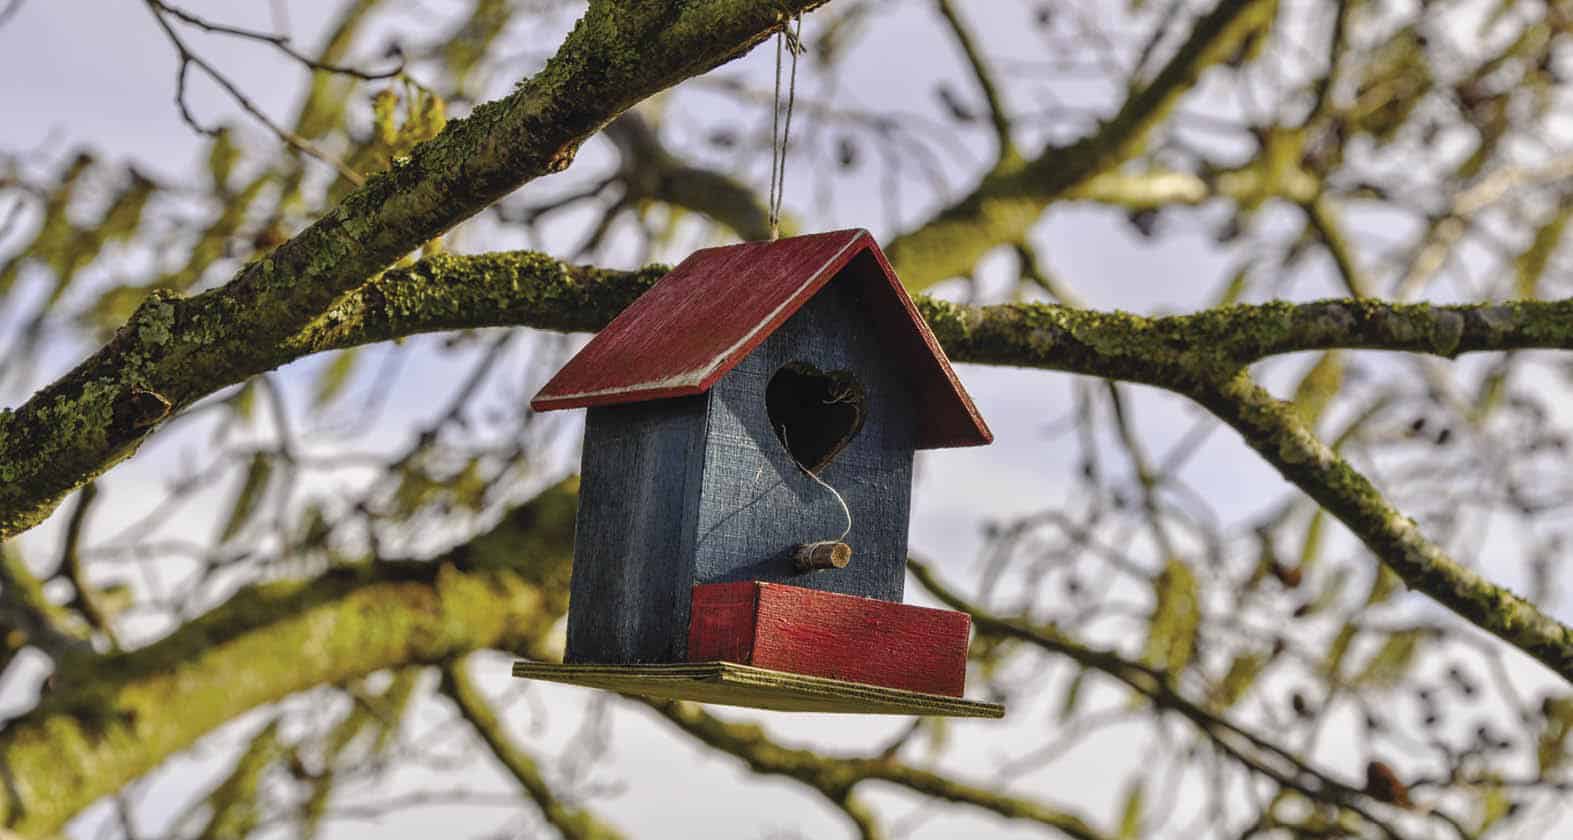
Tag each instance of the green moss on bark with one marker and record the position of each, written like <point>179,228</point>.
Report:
<point>618,54</point>
<point>112,719</point>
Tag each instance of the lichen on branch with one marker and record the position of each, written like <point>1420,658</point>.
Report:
<point>111,719</point>
<point>174,351</point>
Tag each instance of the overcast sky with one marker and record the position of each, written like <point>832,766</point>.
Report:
<point>96,74</point>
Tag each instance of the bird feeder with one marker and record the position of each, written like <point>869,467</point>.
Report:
<point>758,401</point>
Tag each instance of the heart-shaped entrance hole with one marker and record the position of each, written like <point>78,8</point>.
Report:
<point>815,413</point>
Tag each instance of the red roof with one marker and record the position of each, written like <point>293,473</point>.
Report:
<point>713,309</point>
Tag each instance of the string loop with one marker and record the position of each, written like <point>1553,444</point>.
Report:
<point>845,511</point>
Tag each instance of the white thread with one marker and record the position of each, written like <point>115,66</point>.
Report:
<point>846,511</point>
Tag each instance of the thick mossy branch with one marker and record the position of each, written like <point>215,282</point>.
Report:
<point>446,292</point>
<point>1274,430</point>
<point>835,778</point>
<point>174,351</point>
<point>1203,357</point>
<point>572,823</point>
<point>1179,352</point>
<point>111,719</point>
<point>1210,346</point>
<point>1276,328</point>
<point>1011,198</point>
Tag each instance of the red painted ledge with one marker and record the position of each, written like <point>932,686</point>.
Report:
<point>826,634</point>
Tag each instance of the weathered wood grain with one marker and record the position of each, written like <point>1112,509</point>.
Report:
<point>758,505</point>
<point>633,544</point>
<point>823,634</point>
<point>730,684</point>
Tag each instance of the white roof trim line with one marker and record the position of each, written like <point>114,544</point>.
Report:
<point>692,378</point>
<point>687,379</point>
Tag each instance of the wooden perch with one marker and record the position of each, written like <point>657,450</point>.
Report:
<point>821,555</point>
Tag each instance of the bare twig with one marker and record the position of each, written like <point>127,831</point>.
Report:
<point>992,95</point>
<point>835,778</point>
<point>281,42</point>
<point>85,599</point>
<point>1251,750</point>
<point>188,59</point>
<point>571,822</point>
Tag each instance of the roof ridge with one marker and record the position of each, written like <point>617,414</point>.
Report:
<point>689,330</point>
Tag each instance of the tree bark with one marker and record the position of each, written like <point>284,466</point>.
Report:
<point>174,351</point>
<point>111,719</point>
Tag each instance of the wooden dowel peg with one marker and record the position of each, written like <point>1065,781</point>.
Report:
<point>821,555</point>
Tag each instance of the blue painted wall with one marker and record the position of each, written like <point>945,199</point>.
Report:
<point>700,490</point>
<point>630,565</point>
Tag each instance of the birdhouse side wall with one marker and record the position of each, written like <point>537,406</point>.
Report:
<point>638,495</point>
<point>756,504</point>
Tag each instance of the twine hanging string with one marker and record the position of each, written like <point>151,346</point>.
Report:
<point>781,129</point>
<point>845,511</point>
<point>835,553</point>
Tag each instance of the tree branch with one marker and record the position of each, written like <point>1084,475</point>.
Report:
<point>174,351</point>
<point>233,806</point>
<point>1214,343</point>
<point>572,823</point>
<point>26,610</point>
<point>835,778</point>
<point>187,59</point>
<point>277,41</point>
<point>1272,428</point>
<point>1010,198</point>
<point>113,718</point>
<point>992,96</point>
<point>84,599</point>
<point>1324,219</point>
<point>1252,751</point>
<point>530,289</point>
<point>649,171</point>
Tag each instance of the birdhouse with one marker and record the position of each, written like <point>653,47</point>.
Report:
<point>746,485</point>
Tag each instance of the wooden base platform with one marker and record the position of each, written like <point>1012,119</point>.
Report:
<point>731,684</point>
